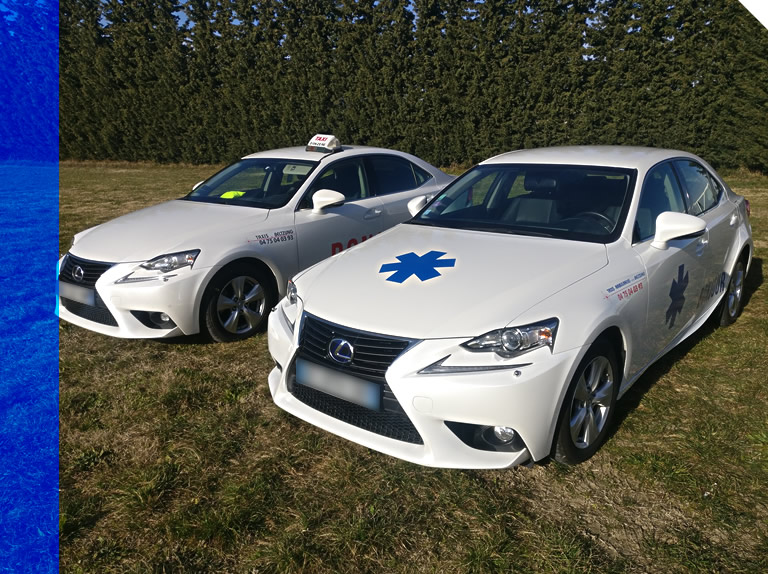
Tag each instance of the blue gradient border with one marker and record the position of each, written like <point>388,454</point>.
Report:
<point>29,508</point>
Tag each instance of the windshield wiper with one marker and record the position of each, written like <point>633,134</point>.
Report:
<point>458,224</point>
<point>526,232</point>
<point>507,230</point>
<point>430,223</point>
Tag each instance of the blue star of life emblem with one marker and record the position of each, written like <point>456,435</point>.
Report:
<point>677,295</point>
<point>424,267</point>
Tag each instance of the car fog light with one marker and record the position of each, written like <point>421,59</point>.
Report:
<point>161,320</point>
<point>504,434</point>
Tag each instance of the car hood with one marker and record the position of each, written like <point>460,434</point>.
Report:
<point>171,226</point>
<point>495,278</point>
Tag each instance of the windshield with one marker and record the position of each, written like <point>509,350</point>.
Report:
<point>582,203</point>
<point>263,182</point>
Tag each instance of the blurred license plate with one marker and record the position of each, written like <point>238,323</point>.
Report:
<point>340,385</point>
<point>77,293</point>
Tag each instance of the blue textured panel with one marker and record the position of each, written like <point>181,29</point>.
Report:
<point>28,327</point>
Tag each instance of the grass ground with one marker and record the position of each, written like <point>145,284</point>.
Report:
<point>174,459</point>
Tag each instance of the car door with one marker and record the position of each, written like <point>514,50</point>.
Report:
<point>672,273</point>
<point>336,228</point>
<point>396,181</point>
<point>706,200</point>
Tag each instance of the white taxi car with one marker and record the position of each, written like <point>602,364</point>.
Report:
<point>219,258</point>
<point>500,325</point>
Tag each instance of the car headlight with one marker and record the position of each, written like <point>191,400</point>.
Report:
<point>290,306</point>
<point>514,341</point>
<point>172,261</point>
<point>161,266</point>
<point>291,293</point>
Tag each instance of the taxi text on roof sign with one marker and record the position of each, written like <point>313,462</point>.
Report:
<point>324,143</point>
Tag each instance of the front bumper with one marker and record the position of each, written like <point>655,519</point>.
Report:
<point>526,398</point>
<point>124,309</point>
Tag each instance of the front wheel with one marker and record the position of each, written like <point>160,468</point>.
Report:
<point>588,406</point>
<point>236,303</point>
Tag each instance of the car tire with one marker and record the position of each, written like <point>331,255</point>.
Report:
<point>236,303</point>
<point>589,406</point>
<point>733,300</point>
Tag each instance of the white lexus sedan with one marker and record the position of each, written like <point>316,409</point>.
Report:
<point>218,259</point>
<point>501,324</point>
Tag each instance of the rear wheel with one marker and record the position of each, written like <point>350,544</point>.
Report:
<point>588,406</point>
<point>236,303</point>
<point>733,300</point>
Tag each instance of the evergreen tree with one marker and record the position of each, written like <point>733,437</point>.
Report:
<point>453,81</point>
<point>372,74</point>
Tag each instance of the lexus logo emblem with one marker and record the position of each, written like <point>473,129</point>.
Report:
<point>78,273</point>
<point>341,351</point>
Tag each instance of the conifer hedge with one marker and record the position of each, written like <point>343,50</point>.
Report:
<point>453,81</point>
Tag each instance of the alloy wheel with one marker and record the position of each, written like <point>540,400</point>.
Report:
<point>591,402</point>
<point>240,305</point>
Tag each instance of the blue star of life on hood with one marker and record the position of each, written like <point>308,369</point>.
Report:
<point>424,267</point>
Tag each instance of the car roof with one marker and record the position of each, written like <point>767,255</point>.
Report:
<point>300,153</point>
<point>641,158</point>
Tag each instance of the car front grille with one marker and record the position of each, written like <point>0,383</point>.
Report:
<point>372,357</point>
<point>373,353</point>
<point>92,270</point>
<point>98,313</point>
<point>394,425</point>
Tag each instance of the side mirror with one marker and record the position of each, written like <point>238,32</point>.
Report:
<point>672,225</point>
<point>323,198</point>
<point>417,204</point>
<point>198,184</point>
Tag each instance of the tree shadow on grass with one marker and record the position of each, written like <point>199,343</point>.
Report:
<point>631,400</point>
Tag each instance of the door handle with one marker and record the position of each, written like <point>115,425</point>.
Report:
<point>734,220</point>
<point>372,214</point>
<point>701,244</point>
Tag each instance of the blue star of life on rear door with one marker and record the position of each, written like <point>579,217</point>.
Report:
<point>424,267</point>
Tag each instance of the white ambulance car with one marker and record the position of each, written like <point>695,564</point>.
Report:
<point>500,325</point>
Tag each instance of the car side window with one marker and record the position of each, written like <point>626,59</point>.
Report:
<point>346,177</point>
<point>392,174</point>
<point>661,192</point>
<point>703,191</point>
<point>422,175</point>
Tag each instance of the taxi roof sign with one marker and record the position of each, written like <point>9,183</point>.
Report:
<point>324,143</point>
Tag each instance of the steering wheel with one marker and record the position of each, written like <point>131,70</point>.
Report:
<point>603,219</point>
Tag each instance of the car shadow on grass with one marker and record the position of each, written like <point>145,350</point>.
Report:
<point>198,339</point>
<point>632,399</point>
<point>753,280</point>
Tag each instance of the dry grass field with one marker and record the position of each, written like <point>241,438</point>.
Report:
<point>173,457</point>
